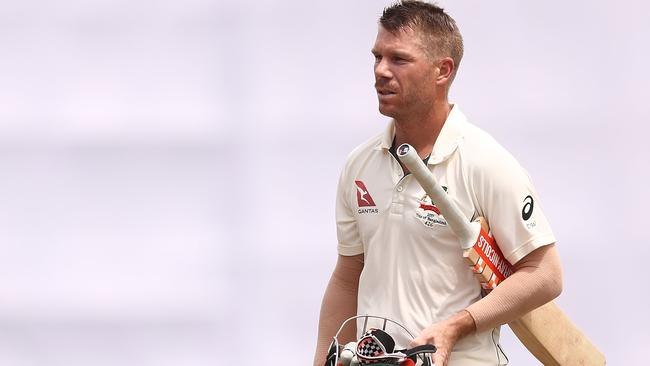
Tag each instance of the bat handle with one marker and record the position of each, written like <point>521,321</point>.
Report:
<point>479,248</point>
<point>466,231</point>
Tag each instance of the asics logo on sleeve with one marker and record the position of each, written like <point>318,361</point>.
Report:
<point>527,211</point>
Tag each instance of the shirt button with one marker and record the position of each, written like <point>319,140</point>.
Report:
<point>400,188</point>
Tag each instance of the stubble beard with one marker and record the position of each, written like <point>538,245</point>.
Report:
<point>410,108</point>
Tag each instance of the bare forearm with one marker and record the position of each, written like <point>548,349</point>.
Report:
<point>445,334</point>
<point>537,280</point>
<point>339,303</point>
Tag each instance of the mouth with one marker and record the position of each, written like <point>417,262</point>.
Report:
<point>384,92</point>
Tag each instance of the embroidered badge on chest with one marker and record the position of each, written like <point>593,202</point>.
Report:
<point>428,213</point>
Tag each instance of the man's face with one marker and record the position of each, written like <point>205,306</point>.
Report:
<point>405,77</point>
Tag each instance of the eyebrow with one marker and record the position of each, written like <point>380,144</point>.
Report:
<point>397,53</point>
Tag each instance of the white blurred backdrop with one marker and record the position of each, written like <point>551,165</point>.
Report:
<point>168,169</point>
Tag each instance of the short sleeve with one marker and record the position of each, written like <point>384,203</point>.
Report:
<point>508,200</point>
<point>347,231</point>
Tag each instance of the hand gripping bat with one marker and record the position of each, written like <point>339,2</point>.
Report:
<point>546,331</point>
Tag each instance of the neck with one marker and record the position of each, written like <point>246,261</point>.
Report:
<point>422,131</point>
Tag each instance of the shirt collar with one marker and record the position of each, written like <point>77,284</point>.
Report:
<point>447,140</point>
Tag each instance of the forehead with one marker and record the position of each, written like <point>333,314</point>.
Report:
<point>404,40</point>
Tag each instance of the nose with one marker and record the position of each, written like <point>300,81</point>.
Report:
<point>382,70</point>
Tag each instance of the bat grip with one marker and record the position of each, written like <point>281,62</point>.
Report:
<point>466,231</point>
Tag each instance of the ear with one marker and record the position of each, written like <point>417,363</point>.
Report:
<point>446,69</point>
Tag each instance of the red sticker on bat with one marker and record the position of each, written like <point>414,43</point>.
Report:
<point>487,248</point>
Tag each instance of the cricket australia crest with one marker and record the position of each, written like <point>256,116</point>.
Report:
<point>428,213</point>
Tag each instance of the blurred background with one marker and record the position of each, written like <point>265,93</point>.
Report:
<point>168,169</point>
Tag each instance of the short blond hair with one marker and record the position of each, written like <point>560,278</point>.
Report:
<point>438,30</point>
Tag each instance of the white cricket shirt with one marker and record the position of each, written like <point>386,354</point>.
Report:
<point>414,271</point>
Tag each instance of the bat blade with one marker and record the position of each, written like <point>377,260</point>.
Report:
<point>553,338</point>
<point>546,331</point>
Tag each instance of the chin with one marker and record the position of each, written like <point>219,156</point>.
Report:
<point>387,111</point>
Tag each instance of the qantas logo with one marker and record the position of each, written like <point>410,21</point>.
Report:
<point>363,196</point>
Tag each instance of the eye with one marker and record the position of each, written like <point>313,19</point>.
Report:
<point>377,59</point>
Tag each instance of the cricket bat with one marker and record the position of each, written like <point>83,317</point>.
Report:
<point>546,331</point>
